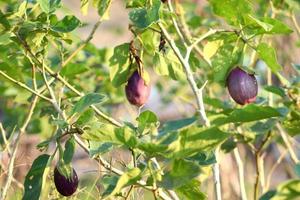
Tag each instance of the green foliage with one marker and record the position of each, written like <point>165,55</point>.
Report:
<point>38,41</point>
<point>119,65</point>
<point>267,54</point>
<point>128,178</point>
<point>181,173</point>
<point>69,150</point>
<point>35,177</point>
<point>67,24</point>
<point>285,191</point>
<point>86,101</point>
<point>144,17</point>
<point>249,113</point>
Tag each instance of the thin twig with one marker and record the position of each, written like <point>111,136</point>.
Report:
<point>240,166</point>
<point>15,148</point>
<point>22,130</point>
<point>66,83</point>
<point>24,86</point>
<point>199,98</point>
<point>258,158</point>
<point>286,141</point>
<point>294,20</point>
<point>180,34</point>
<point>116,171</point>
<point>89,38</point>
<point>182,26</point>
<point>3,133</point>
<point>129,192</point>
<point>269,176</point>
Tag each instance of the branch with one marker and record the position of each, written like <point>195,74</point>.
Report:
<point>182,27</point>
<point>24,86</point>
<point>285,138</point>
<point>241,173</point>
<point>178,30</point>
<point>189,75</point>
<point>269,176</point>
<point>15,148</point>
<point>258,160</point>
<point>294,20</point>
<point>199,97</point>
<point>89,38</point>
<point>116,171</point>
<point>66,83</point>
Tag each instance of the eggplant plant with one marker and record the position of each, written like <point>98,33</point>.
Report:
<point>197,86</point>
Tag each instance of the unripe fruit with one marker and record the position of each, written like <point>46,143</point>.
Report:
<point>64,185</point>
<point>242,86</point>
<point>137,92</point>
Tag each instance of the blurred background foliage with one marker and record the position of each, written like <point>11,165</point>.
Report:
<point>52,31</point>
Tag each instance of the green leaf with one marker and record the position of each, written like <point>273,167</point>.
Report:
<point>66,25</point>
<point>297,169</point>
<point>86,101</point>
<point>3,21</point>
<point>211,48</point>
<point>286,191</point>
<point>109,182</point>
<point>101,132</point>
<point>5,38</point>
<point>266,27</point>
<point>135,3</point>
<point>226,57</point>
<point>263,127</point>
<point>292,127</point>
<point>119,65</point>
<point>249,113</point>
<point>147,117</point>
<point>49,6</point>
<point>69,150</point>
<point>84,6</point>
<point>204,158</point>
<point>191,191</point>
<point>233,11</point>
<point>152,148</point>
<point>73,69</point>
<point>268,195</point>
<point>278,26</point>
<point>99,148</point>
<point>195,139</point>
<point>144,17</point>
<point>275,90</point>
<point>167,64</point>
<point>35,178</point>
<point>103,8</point>
<point>181,172</point>
<point>268,55</point>
<point>177,125</point>
<point>149,39</point>
<point>85,117</point>
<point>128,178</point>
<point>126,136</point>
<point>192,140</point>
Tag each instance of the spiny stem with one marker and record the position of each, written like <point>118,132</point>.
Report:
<point>198,94</point>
